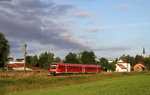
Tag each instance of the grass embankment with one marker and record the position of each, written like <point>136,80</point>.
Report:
<point>98,84</point>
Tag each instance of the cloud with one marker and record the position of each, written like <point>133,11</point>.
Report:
<point>33,21</point>
<point>123,7</point>
<point>69,20</point>
<point>83,36</point>
<point>130,25</point>
<point>81,13</point>
<point>94,29</point>
<point>111,49</point>
<point>91,21</point>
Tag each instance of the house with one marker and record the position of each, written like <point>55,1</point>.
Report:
<point>12,61</point>
<point>139,67</point>
<point>20,60</point>
<point>20,67</point>
<point>14,66</point>
<point>123,66</point>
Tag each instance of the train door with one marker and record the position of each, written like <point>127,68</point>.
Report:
<point>83,69</point>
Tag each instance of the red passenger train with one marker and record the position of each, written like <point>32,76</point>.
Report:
<point>65,68</point>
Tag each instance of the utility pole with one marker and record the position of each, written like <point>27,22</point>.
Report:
<point>25,46</point>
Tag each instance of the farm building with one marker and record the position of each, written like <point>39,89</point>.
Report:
<point>20,67</point>
<point>12,61</point>
<point>139,67</point>
<point>14,66</point>
<point>18,64</point>
<point>123,66</point>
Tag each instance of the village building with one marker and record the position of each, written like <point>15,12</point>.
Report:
<point>122,66</point>
<point>18,65</point>
<point>139,67</point>
<point>17,61</point>
<point>144,55</point>
<point>14,66</point>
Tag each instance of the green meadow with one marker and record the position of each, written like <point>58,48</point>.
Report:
<point>134,83</point>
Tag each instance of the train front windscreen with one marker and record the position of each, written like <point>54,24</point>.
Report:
<point>53,66</point>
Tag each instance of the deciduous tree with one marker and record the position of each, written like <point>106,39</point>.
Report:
<point>57,59</point>
<point>4,49</point>
<point>128,59</point>
<point>88,57</point>
<point>112,66</point>
<point>71,58</point>
<point>146,61</point>
<point>104,63</point>
<point>32,61</point>
<point>45,59</point>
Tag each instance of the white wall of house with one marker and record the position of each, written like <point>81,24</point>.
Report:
<point>118,69</point>
<point>127,65</point>
<point>21,69</point>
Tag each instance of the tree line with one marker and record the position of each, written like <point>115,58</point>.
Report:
<point>86,57</point>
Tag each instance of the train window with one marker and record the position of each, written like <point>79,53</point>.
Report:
<point>91,68</point>
<point>53,66</point>
<point>75,67</point>
<point>62,67</point>
<point>72,67</point>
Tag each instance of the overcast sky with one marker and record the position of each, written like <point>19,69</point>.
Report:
<point>110,28</point>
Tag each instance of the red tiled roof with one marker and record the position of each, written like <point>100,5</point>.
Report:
<point>35,68</point>
<point>121,66</point>
<point>16,65</point>
<point>141,63</point>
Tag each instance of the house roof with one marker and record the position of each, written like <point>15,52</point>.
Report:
<point>19,65</point>
<point>14,65</point>
<point>144,51</point>
<point>121,61</point>
<point>141,63</point>
<point>121,66</point>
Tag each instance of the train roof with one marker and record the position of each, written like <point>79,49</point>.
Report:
<point>61,63</point>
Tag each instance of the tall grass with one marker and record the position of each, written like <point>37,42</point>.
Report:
<point>8,85</point>
<point>127,85</point>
